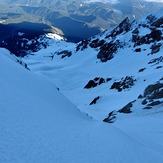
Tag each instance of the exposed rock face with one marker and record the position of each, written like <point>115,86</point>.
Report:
<point>111,117</point>
<point>123,27</point>
<point>94,101</point>
<point>23,64</point>
<point>154,91</point>
<point>126,109</point>
<point>154,103</point>
<point>125,83</point>
<point>155,48</point>
<point>142,69</point>
<point>23,38</point>
<point>95,82</point>
<point>152,96</point>
<point>109,45</point>
<point>156,61</point>
<point>21,46</point>
<point>107,51</point>
<point>90,84</point>
<point>158,22</point>
<point>65,53</point>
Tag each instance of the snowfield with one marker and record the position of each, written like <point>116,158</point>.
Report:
<point>38,124</point>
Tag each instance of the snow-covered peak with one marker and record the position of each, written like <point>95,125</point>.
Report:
<point>126,34</point>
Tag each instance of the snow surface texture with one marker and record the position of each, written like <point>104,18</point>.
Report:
<point>38,124</point>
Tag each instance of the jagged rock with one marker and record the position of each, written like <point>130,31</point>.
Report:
<point>126,109</point>
<point>107,50</point>
<point>136,31</point>
<point>96,43</point>
<point>65,53</point>
<point>155,103</point>
<point>125,83</point>
<point>140,96</point>
<point>155,48</point>
<point>151,18</point>
<point>111,117</point>
<point>23,64</point>
<point>101,80</point>
<point>142,69</point>
<point>124,26</point>
<point>159,67</point>
<point>83,45</point>
<point>108,79</point>
<point>144,102</point>
<point>90,84</point>
<point>23,45</point>
<point>154,91</point>
<point>147,108</point>
<point>137,50</point>
<point>116,85</point>
<point>155,35</point>
<point>95,100</point>
<point>156,60</point>
<point>96,81</point>
<point>158,22</point>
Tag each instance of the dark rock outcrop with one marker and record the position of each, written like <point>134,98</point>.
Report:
<point>95,82</point>
<point>126,109</point>
<point>156,61</point>
<point>154,91</point>
<point>154,103</point>
<point>125,83</point>
<point>64,53</point>
<point>142,69</point>
<point>108,50</point>
<point>90,84</point>
<point>155,48</point>
<point>111,117</point>
<point>124,26</point>
<point>94,101</point>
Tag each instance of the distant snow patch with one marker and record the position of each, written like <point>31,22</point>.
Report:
<point>54,36</point>
<point>20,33</point>
<point>144,31</point>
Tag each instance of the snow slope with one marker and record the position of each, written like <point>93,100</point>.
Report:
<point>133,50</point>
<point>38,124</point>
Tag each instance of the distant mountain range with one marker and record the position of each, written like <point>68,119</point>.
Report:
<point>77,19</point>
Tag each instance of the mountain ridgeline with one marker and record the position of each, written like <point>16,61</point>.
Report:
<point>110,44</point>
<point>77,19</point>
